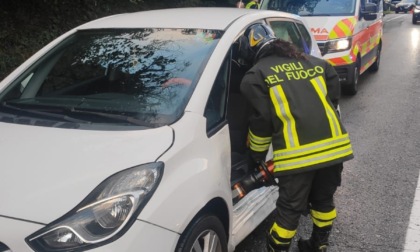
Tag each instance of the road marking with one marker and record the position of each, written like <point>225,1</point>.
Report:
<point>395,18</point>
<point>412,237</point>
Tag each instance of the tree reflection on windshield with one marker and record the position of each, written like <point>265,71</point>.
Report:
<point>141,72</point>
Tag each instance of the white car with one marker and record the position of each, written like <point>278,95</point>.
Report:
<point>127,134</point>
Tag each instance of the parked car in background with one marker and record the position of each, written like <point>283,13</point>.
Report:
<point>127,134</point>
<point>392,3</point>
<point>416,12</point>
<point>404,6</point>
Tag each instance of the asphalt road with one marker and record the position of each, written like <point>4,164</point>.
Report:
<point>376,197</point>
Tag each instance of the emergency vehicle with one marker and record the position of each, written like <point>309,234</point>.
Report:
<point>348,33</point>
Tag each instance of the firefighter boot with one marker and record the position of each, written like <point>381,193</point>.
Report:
<point>273,247</point>
<point>318,241</point>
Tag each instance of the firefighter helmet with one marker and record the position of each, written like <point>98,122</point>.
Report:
<point>254,39</point>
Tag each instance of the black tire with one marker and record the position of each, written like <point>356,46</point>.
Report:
<point>206,233</point>
<point>375,66</point>
<point>414,19</point>
<point>396,12</point>
<point>351,87</point>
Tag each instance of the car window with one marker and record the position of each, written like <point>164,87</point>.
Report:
<point>148,74</point>
<point>306,36</point>
<point>288,31</point>
<point>215,111</point>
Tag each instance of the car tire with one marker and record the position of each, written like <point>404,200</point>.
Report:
<point>206,233</point>
<point>375,66</point>
<point>351,87</point>
<point>396,12</point>
<point>414,20</point>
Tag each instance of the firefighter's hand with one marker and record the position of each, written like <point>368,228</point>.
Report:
<point>252,163</point>
<point>258,156</point>
<point>254,158</point>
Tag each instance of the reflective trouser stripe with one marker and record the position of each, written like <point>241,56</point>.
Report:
<point>283,112</point>
<point>258,144</point>
<point>321,219</point>
<point>281,235</point>
<point>321,89</point>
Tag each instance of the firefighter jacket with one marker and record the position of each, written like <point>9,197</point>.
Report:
<point>294,105</point>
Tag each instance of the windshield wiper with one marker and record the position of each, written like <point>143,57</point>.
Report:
<point>43,113</point>
<point>122,118</point>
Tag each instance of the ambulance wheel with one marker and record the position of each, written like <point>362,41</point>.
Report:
<point>205,234</point>
<point>375,66</point>
<point>352,86</point>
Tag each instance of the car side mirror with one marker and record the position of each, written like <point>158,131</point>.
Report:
<point>370,12</point>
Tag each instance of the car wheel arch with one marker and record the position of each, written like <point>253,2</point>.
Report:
<point>218,208</point>
<point>375,66</point>
<point>352,86</point>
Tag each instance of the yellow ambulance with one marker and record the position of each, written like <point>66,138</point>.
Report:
<point>348,33</point>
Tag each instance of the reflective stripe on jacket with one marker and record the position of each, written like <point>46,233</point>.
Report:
<point>294,104</point>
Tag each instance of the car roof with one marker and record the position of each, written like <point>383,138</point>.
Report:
<point>189,18</point>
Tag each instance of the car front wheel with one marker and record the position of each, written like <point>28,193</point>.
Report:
<point>205,234</point>
<point>414,19</point>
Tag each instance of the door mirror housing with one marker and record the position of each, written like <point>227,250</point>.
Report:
<point>370,11</point>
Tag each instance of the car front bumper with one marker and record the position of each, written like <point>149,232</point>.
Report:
<point>141,236</point>
<point>345,73</point>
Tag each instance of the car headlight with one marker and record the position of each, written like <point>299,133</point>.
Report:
<point>104,215</point>
<point>338,45</point>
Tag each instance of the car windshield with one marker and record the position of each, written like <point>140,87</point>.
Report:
<point>143,77</point>
<point>313,7</point>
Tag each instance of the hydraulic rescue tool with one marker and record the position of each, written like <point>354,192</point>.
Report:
<point>262,176</point>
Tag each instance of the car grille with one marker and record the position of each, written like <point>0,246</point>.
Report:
<point>342,73</point>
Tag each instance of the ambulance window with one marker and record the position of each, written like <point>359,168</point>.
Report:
<point>287,31</point>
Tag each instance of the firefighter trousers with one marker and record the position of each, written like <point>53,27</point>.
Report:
<point>313,189</point>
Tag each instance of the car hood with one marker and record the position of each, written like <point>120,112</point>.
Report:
<point>45,172</point>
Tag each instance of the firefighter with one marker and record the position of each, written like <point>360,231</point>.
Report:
<point>240,4</point>
<point>253,4</point>
<point>294,98</point>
